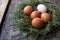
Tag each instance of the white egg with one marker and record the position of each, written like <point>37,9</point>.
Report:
<point>41,8</point>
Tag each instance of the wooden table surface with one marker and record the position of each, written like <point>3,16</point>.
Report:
<point>9,32</point>
<point>3,5</point>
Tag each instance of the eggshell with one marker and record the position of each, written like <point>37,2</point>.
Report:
<point>46,17</point>
<point>35,14</point>
<point>28,10</point>
<point>41,8</point>
<point>37,23</point>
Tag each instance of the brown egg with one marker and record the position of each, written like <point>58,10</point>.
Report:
<point>45,17</point>
<point>28,10</point>
<point>35,14</point>
<point>37,23</point>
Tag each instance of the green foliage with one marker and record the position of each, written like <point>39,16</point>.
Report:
<point>23,21</point>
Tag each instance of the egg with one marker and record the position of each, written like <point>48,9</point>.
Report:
<point>41,8</point>
<point>37,23</point>
<point>35,14</point>
<point>28,10</point>
<point>46,17</point>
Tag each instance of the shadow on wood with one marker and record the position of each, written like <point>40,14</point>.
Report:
<point>4,16</point>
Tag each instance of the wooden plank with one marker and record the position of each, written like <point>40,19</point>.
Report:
<point>3,5</point>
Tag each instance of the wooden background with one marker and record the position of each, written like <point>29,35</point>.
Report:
<point>3,5</point>
<point>11,33</point>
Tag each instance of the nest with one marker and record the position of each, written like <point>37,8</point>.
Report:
<point>23,22</point>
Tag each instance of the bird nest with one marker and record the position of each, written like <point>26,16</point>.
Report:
<point>23,21</point>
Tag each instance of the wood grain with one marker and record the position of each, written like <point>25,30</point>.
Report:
<point>3,5</point>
